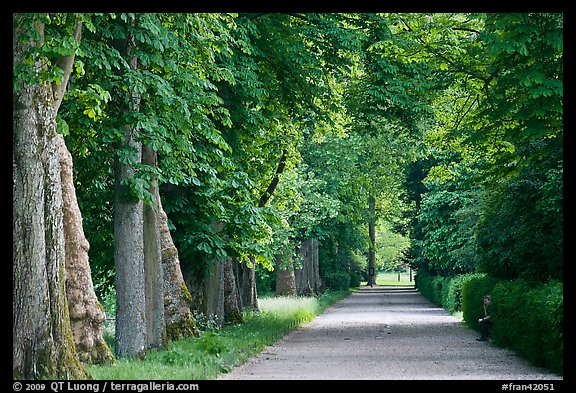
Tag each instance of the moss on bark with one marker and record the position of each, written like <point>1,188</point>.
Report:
<point>182,328</point>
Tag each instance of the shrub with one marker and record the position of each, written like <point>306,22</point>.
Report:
<point>423,282</point>
<point>452,291</point>
<point>528,318</point>
<point>355,279</point>
<point>430,286</point>
<point>473,291</point>
<point>337,281</point>
<point>437,285</point>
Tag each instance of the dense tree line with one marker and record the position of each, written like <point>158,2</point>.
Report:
<point>488,191</point>
<point>212,152</point>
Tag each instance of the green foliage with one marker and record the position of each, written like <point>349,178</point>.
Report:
<point>210,344</point>
<point>106,293</point>
<point>430,286</point>
<point>448,292</point>
<point>446,221</point>
<point>521,231</point>
<point>473,291</point>
<point>452,292</point>
<point>527,51</point>
<point>529,319</point>
<point>482,195</point>
<point>337,281</point>
<point>46,38</point>
<point>355,279</point>
<point>390,246</point>
<point>352,98</point>
<point>205,323</point>
<point>265,119</point>
<point>452,122</point>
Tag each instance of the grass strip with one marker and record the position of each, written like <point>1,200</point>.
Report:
<point>217,351</point>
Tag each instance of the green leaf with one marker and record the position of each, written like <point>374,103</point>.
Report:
<point>62,126</point>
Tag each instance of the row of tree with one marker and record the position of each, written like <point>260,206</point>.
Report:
<point>213,149</point>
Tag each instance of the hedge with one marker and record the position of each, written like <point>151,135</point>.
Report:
<point>527,317</point>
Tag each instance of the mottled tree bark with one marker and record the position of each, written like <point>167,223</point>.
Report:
<point>177,298</point>
<point>213,293</point>
<point>42,340</point>
<point>86,313</point>
<point>303,274</point>
<point>308,274</point>
<point>316,265</point>
<point>208,290</point>
<point>246,274</point>
<point>232,302</point>
<point>285,280</point>
<point>131,325</point>
<point>129,260</point>
<point>154,280</point>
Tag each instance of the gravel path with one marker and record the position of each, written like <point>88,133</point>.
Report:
<point>386,333</point>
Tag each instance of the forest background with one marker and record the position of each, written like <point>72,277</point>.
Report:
<point>218,155</point>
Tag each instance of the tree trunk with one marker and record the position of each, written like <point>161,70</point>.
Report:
<point>177,299</point>
<point>42,340</point>
<point>285,280</point>
<point>131,325</point>
<point>372,245</point>
<point>301,273</point>
<point>129,259</point>
<point>208,289</point>
<point>315,266</point>
<point>265,197</point>
<point>86,313</point>
<point>232,302</point>
<point>213,291</point>
<point>307,276</point>
<point>154,291</point>
<point>247,282</point>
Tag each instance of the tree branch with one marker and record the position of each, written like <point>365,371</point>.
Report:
<point>65,64</point>
<point>274,183</point>
<point>466,29</point>
<point>458,121</point>
<point>457,67</point>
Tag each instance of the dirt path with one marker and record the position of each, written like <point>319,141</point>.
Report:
<point>386,333</point>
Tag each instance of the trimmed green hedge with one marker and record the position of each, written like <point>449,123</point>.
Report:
<point>473,291</point>
<point>527,318</point>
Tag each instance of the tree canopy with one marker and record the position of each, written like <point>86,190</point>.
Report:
<point>346,105</point>
<point>443,130</point>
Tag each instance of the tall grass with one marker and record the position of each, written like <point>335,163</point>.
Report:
<point>218,351</point>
